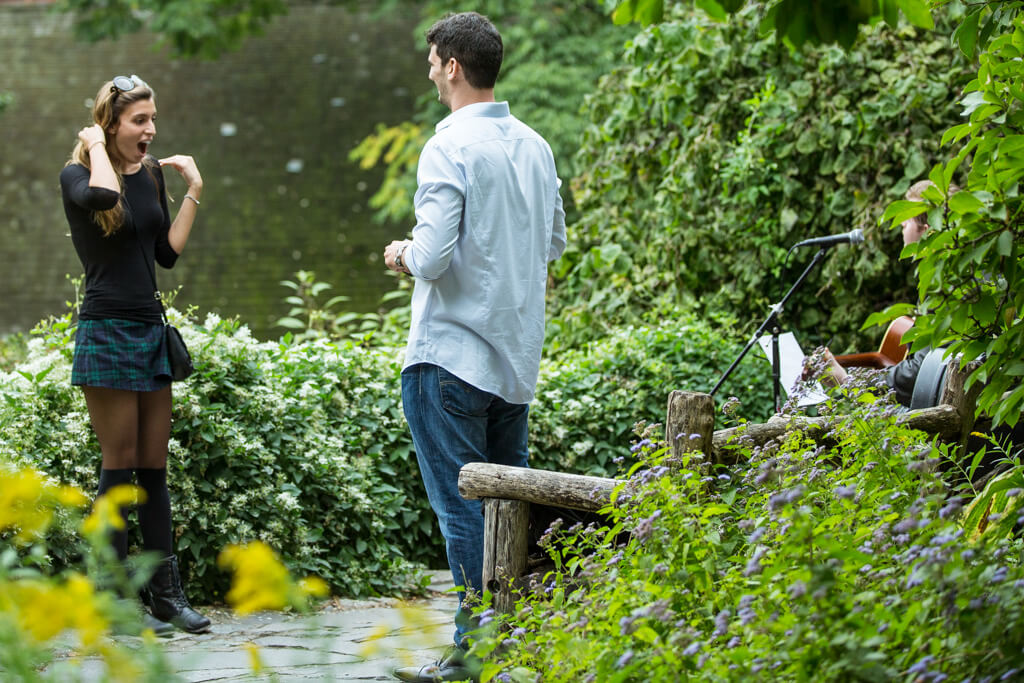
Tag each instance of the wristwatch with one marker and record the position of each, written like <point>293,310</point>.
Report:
<point>398,256</point>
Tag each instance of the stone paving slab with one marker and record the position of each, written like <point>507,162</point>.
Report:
<point>345,640</point>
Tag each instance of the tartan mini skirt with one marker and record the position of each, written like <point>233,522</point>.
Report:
<point>120,354</point>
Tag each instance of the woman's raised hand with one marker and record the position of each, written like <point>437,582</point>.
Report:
<point>186,166</point>
<point>91,135</point>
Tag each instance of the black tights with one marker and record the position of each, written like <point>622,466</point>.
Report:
<point>133,429</point>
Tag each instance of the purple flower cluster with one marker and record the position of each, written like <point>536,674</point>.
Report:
<point>846,492</point>
<point>786,497</point>
<point>649,475</point>
<point>952,508</point>
<point>645,527</point>
<point>641,445</point>
<point>746,613</point>
<point>754,563</point>
<point>722,622</point>
<point>922,673</point>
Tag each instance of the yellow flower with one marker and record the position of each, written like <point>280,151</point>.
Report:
<point>25,503</point>
<point>45,608</point>
<point>121,663</point>
<point>71,496</point>
<point>87,617</point>
<point>255,662</point>
<point>40,609</point>
<point>315,586</point>
<point>261,581</point>
<point>106,510</point>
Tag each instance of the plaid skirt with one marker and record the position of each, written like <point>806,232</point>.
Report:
<point>120,354</point>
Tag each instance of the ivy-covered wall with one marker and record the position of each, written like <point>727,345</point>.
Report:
<point>713,150</point>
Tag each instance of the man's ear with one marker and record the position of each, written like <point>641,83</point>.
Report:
<point>453,68</point>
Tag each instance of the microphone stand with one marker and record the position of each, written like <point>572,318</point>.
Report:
<point>772,321</point>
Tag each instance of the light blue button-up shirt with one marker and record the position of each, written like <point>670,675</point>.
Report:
<point>489,218</point>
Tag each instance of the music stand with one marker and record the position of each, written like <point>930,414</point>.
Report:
<point>772,321</point>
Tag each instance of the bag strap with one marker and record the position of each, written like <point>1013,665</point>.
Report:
<point>152,275</point>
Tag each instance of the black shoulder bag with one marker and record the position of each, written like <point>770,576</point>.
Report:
<point>178,356</point>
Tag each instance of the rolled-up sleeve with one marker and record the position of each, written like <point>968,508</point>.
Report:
<point>439,203</point>
<point>558,237</point>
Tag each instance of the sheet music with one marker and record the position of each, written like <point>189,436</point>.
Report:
<point>791,367</point>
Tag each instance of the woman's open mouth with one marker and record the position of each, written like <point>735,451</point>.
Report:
<point>143,147</point>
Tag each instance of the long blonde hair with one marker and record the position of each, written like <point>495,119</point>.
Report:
<point>106,111</point>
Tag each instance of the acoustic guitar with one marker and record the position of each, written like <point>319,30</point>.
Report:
<point>889,353</point>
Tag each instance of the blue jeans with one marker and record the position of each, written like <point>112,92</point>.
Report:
<point>454,423</point>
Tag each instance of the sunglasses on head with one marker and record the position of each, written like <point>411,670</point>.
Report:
<point>125,84</point>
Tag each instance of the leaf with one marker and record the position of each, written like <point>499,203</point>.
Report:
<point>623,13</point>
<point>956,133</point>
<point>712,9</point>
<point>966,35</point>
<point>917,13</point>
<point>965,202</point>
<point>1004,246</point>
<point>902,209</point>
<point>972,101</point>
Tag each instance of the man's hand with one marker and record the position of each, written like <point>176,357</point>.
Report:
<point>832,373</point>
<point>393,254</point>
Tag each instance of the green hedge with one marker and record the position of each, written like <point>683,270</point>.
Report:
<point>297,445</point>
<point>303,444</point>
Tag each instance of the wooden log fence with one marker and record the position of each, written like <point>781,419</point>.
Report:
<point>507,492</point>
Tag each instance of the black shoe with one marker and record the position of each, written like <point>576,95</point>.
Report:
<point>167,600</point>
<point>141,621</point>
<point>453,666</point>
<point>160,628</point>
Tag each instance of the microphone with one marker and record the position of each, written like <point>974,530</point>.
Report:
<point>852,237</point>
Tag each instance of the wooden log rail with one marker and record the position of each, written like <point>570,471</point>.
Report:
<point>507,492</point>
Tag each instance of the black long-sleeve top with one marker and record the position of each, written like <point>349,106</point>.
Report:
<point>118,283</point>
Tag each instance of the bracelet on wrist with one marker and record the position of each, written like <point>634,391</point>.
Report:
<point>188,196</point>
<point>98,142</point>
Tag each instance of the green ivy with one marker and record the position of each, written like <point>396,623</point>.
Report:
<point>712,149</point>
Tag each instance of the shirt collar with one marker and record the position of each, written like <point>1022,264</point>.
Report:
<point>493,110</point>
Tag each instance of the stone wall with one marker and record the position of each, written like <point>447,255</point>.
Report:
<point>270,126</point>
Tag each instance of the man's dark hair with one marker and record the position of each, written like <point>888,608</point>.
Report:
<point>474,43</point>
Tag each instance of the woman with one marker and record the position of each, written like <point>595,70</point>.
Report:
<point>116,205</point>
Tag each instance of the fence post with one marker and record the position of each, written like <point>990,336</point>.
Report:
<point>506,532</point>
<point>965,402</point>
<point>690,414</point>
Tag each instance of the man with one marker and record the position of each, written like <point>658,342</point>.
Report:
<point>902,376</point>
<point>489,218</point>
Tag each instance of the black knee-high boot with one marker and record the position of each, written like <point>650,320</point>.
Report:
<point>119,540</point>
<point>108,480</point>
<point>167,598</point>
<point>155,512</point>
